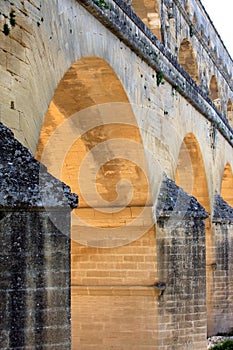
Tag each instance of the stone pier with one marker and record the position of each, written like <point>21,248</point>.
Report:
<point>35,252</point>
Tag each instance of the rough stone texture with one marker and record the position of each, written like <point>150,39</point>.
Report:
<point>24,182</point>
<point>35,252</point>
<point>49,38</point>
<point>223,212</point>
<point>181,270</point>
<point>43,51</point>
<point>35,280</point>
<point>156,55</point>
<point>222,267</point>
<point>174,201</point>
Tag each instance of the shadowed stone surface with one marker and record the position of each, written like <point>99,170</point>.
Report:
<point>24,182</point>
<point>34,252</point>
<point>223,212</point>
<point>222,266</point>
<point>174,201</point>
<point>180,236</point>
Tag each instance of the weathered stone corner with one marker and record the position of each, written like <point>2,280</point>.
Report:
<point>180,242</point>
<point>222,211</point>
<point>35,251</point>
<point>174,201</point>
<point>25,182</point>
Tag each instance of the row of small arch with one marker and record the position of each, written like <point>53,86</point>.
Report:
<point>149,13</point>
<point>187,60</point>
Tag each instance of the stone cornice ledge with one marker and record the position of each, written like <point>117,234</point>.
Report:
<point>124,23</point>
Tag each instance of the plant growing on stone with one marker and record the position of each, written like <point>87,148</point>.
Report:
<point>12,22</point>
<point>160,78</point>
<point>102,4</point>
<point>6,29</point>
<point>12,18</point>
<point>226,345</point>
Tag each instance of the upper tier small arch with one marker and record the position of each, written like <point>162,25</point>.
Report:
<point>148,11</point>
<point>230,112</point>
<point>187,59</point>
<point>214,92</point>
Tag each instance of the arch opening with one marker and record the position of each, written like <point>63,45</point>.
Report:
<point>230,112</point>
<point>227,185</point>
<point>187,60</point>
<point>148,11</point>
<point>95,131</point>
<point>214,92</point>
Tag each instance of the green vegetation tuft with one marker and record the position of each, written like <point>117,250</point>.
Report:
<point>226,345</point>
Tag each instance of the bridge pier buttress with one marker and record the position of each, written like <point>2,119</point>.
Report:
<point>181,253</point>
<point>222,267</point>
<point>34,251</point>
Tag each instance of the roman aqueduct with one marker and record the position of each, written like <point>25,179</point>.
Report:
<point>131,106</point>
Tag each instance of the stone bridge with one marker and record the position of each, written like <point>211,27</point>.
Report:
<point>131,105</point>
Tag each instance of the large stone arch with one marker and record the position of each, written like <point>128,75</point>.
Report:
<point>113,251</point>
<point>227,185</point>
<point>191,176</point>
<point>187,59</point>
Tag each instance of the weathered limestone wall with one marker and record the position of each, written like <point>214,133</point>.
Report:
<point>115,317</point>
<point>223,267</point>
<point>35,279</point>
<point>35,251</point>
<point>114,298</point>
<point>181,251</point>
